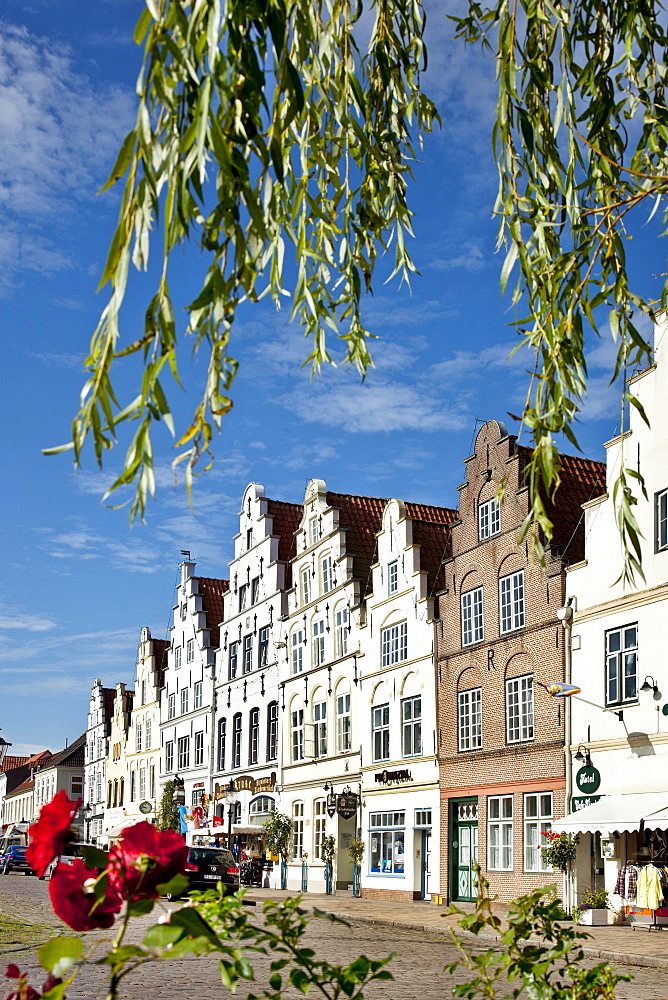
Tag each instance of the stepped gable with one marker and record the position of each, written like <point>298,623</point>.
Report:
<point>9,763</point>
<point>211,592</point>
<point>286,518</point>
<point>108,695</point>
<point>582,479</point>
<point>71,756</point>
<point>361,517</point>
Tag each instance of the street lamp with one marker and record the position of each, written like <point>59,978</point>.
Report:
<point>649,684</point>
<point>231,796</point>
<point>583,755</point>
<point>86,814</point>
<point>3,750</point>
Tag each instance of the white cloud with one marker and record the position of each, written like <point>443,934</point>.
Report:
<point>469,257</point>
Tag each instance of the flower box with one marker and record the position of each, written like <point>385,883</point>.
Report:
<point>594,917</point>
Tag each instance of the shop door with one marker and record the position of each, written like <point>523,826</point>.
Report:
<point>464,849</point>
<point>425,881</point>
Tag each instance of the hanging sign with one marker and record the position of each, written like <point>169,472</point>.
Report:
<point>346,805</point>
<point>331,804</point>
<point>588,779</point>
<point>579,802</point>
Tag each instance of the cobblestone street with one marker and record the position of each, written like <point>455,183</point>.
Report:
<point>417,968</point>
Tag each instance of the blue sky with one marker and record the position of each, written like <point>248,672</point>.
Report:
<point>78,583</point>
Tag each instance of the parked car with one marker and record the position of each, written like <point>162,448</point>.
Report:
<point>70,852</point>
<point>13,851</point>
<point>206,867</point>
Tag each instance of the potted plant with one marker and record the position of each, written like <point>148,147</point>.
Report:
<point>327,853</point>
<point>559,849</point>
<point>594,908</point>
<point>278,838</point>
<point>356,853</point>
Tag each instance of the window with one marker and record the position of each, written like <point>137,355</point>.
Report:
<point>319,826</point>
<point>473,629</point>
<point>177,657</point>
<point>255,590</point>
<point>343,736</point>
<point>297,651</point>
<point>253,735</point>
<point>152,782</point>
<point>171,706</point>
<point>263,806</point>
<point>184,700</point>
<point>394,644</point>
<point>248,653</point>
<point>386,835</point>
<point>76,786</point>
<point>184,752</point>
<point>143,692</point>
<point>511,600</point>
<point>272,730</point>
<point>222,734</point>
<point>298,734</point>
<point>197,796</point>
<point>537,821</point>
<point>380,732</point>
<point>422,819</point>
<point>234,656</point>
<point>318,643</point>
<point>393,577</point>
<point>314,530</point>
<point>662,521</point>
<point>142,784</point>
<point>149,735</point>
<point>133,785</point>
<point>327,574</point>
<point>249,538</point>
<point>341,633</point>
<point>121,792</point>
<point>138,737</point>
<point>519,708</point>
<point>500,833</point>
<point>197,700</point>
<point>297,829</point>
<point>184,611</point>
<point>621,665</point>
<point>489,519</point>
<point>98,786</point>
<point>190,651</point>
<point>411,727</point>
<point>263,647</point>
<point>320,729</point>
<point>199,748</point>
<point>469,719</point>
<point>243,597</point>
<point>236,741</point>
<point>306,585</point>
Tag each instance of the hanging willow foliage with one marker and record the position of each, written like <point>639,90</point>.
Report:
<point>580,141</point>
<point>262,132</point>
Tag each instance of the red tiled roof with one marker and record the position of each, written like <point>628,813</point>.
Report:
<point>212,592</point>
<point>435,515</point>
<point>285,521</point>
<point>361,517</point>
<point>39,757</point>
<point>435,543</point>
<point>582,479</point>
<point>11,762</point>
<point>108,696</point>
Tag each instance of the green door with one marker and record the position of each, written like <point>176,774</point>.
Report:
<point>463,848</point>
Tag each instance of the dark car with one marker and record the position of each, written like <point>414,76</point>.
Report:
<point>208,866</point>
<point>13,856</point>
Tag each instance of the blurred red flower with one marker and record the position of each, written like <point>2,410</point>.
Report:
<point>51,831</point>
<point>74,900</point>
<point>25,992</point>
<point>143,859</point>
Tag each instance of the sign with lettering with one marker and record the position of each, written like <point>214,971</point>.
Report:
<point>588,779</point>
<point>331,804</point>
<point>579,802</point>
<point>247,783</point>
<point>346,805</point>
<point>391,777</point>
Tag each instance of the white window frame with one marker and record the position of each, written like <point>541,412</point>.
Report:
<point>387,833</point>
<point>621,664</point>
<point>138,737</point>
<point>247,661</point>
<point>255,590</point>
<point>341,632</point>
<point>538,816</point>
<point>237,729</point>
<point>272,730</point>
<point>190,651</point>
<point>222,739</point>
<point>183,751</point>
<point>142,784</point>
<point>380,733</point>
<point>233,664</point>
<point>199,748</point>
<point>500,833</point>
<point>314,530</point>
<point>512,613</point>
<point>297,735</point>
<point>305,578</point>
<point>662,521</point>
<point>297,830</point>
<point>489,519</point>
<point>254,736</point>
<point>177,657</point>
<point>184,701</point>
<point>297,651</point>
<point>411,726</point>
<point>327,574</point>
<point>198,694</point>
<point>319,826</point>
<point>320,729</point>
<point>473,621</point>
<point>393,577</point>
<point>171,706</point>
<point>243,596</point>
<point>394,644</point>
<point>343,722</point>
<point>318,648</point>
<point>469,719</point>
<point>520,709</point>
<point>148,727</point>
<point>263,647</point>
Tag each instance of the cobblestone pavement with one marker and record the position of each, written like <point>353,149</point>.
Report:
<point>420,957</point>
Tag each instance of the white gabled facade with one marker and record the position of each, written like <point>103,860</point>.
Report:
<point>100,711</point>
<point>617,642</point>
<point>321,729</point>
<point>247,747</point>
<point>142,753</point>
<point>116,765</point>
<point>186,707</point>
<point>397,704</point>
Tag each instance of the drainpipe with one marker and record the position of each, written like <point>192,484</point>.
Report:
<point>565,616</point>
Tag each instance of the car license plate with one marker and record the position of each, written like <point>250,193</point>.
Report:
<point>217,877</point>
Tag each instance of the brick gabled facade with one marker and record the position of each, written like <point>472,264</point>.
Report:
<point>498,639</point>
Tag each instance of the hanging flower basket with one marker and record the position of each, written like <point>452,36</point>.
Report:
<point>559,849</point>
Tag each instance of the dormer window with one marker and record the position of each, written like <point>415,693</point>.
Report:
<point>489,519</point>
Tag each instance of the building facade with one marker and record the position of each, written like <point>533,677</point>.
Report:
<point>100,712</point>
<point>142,753</point>
<point>116,765</point>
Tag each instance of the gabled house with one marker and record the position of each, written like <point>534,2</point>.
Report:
<point>62,771</point>
<point>100,713</point>
<point>142,754</point>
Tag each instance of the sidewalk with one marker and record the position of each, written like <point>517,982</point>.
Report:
<point>615,944</point>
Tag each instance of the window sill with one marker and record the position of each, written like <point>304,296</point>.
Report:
<point>385,875</point>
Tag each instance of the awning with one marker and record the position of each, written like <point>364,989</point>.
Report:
<point>618,812</point>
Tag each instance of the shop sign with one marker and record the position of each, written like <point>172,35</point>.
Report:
<point>331,804</point>
<point>346,805</point>
<point>588,779</point>
<point>246,783</point>
<point>198,784</point>
<point>391,777</point>
<point>579,802</point>
<point>145,807</point>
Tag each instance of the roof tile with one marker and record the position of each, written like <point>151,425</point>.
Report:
<point>285,521</point>
<point>212,591</point>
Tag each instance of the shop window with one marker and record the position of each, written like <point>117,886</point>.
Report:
<point>386,843</point>
<point>537,821</point>
<point>621,665</point>
<point>469,719</point>
<point>411,726</point>
<point>380,732</point>
<point>196,798</point>
<point>500,833</point>
<point>394,644</point>
<point>473,629</point>
<point>519,709</point>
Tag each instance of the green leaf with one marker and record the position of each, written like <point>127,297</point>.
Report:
<point>123,159</point>
<point>161,935</point>
<point>175,887</point>
<point>59,954</point>
<point>140,907</point>
<point>94,857</point>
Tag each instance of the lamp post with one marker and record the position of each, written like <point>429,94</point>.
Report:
<point>3,749</point>
<point>86,814</point>
<point>231,796</point>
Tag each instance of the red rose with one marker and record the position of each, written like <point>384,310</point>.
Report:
<point>25,992</point>
<point>74,900</point>
<point>144,859</point>
<point>51,831</point>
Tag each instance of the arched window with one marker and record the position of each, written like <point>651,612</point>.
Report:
<point>122,792</point>
<point>109,794</point>
<point>272,730</point>
<point>260,808</point>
